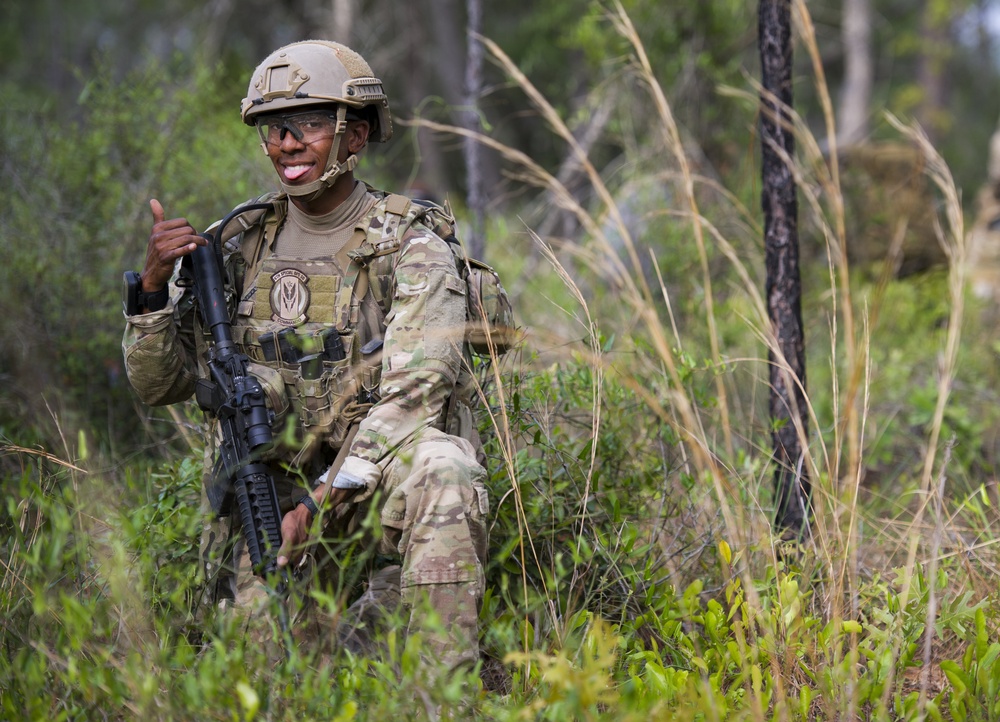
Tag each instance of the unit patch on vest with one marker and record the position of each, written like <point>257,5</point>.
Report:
<point>289,296</point>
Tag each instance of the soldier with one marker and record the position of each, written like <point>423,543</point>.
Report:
<point>385,424</point>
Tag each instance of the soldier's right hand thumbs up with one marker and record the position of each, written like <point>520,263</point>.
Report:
<point>168,241</point>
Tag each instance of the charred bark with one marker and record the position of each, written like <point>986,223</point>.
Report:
<point>784,285</point>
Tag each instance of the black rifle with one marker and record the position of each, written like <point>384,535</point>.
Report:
<point>236,398</point>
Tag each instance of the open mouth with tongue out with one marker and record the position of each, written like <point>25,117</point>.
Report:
<point>295,172</point>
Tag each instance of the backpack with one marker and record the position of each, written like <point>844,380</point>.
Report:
<point>490,328</point>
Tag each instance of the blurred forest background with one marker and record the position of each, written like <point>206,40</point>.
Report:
<point>108,104</point>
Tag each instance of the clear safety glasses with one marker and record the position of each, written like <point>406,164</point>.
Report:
<point>306,127</point>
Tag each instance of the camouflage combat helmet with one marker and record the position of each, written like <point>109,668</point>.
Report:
<point>315,73</point>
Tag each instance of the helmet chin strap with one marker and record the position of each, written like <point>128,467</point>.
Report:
<point>334,168</point>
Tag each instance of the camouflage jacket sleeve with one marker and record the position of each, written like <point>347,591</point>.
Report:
<point>159,349</point>
<point>422,354</point>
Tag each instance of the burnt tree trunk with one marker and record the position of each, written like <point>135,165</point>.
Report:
<point>784,286</point>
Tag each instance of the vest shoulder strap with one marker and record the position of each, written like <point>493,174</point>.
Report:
<point>254,244</point>
<point>384,226</point>
<point>249,234</point>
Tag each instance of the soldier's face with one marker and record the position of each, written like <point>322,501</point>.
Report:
<point>300,160</point>
<point>301,156</point>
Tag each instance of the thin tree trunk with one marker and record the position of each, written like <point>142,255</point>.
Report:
<point>784,286</point>
<point>476,198</point>
<point>218,14</point>
<point>422,58</point>
<point>556,221</point>
<point>935,52</point>
<point>859,71</point>
<point>342,21</point>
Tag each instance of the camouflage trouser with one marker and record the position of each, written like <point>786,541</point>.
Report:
<point>433,517</point>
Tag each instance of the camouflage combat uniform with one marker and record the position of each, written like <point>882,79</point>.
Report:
<point>399,306</point>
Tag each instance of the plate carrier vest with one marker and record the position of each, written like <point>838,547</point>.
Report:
<point>325,367</point>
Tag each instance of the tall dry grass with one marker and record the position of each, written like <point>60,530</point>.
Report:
<point>848,544</point>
